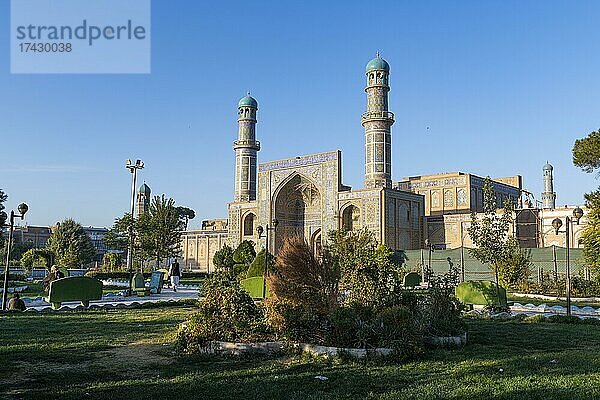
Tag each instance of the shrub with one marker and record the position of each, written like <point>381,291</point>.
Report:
<point>297,322</point>
<point>244,253</point>
<point>369,273</point>
<point>441,309</point>
<point>257,268</point>
<point>226,312</point>
<point>304,293</point>
<point>401,330</point>
<point>223,258</point>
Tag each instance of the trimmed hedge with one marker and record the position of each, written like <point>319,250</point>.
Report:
<point>481,293</point>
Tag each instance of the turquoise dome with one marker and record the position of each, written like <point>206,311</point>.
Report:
<point>548,167</point>
<point>248,101</point>
<point>378,63</point>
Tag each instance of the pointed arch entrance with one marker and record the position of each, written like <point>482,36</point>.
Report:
<point>298,208</point>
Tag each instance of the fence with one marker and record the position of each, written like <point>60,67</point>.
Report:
<point>548,260</point>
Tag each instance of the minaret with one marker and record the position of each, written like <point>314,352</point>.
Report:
<point>142,200</point>
<point>246,148</point>
<point>377,121</point>
<point>548,195</point>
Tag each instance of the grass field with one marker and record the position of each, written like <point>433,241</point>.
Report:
<point>128,354</point>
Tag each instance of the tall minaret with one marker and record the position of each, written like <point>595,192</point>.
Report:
<point>548,195</point>
<point>377,121</point>
<point>143,200</point>
<point>245,151</point>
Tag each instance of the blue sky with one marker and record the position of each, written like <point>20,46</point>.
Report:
<point>503,86</point>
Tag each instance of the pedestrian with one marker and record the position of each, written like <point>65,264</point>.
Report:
<point>175,274</point>
<point>16,304</point>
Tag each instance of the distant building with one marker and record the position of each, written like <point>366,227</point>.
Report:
<point>459,192</point>
<point>32,236</point>
<point>97,237</point>
<point>199,246</point>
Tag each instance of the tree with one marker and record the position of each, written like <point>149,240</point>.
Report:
<point>370,273</point>
<point>586,155</point>
<point>71,245</point>
<point>112,261</point>
<point>490,234</point>
<point>243,256</point>
<point>223,259</point>
<point>159,229</point>
<point>36,258</point>
<point>185,214</point>
<point>586,152</point>
<point>117,237</point>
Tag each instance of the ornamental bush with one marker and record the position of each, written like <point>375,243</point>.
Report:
<point>226,312</point>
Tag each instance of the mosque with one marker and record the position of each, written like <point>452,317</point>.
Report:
<point>304,195</point>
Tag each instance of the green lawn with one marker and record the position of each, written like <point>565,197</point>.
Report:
<point>128,354</point>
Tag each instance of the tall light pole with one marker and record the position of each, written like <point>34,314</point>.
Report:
<point>133,169</point>
<point>557,223</point>
<point>260,231</point>
<point>22,208</point>
<point>429,246</point>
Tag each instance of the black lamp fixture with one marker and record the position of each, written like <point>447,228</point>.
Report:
<point>22,208</point>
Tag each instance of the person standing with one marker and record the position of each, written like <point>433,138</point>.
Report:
<point>175,274</point>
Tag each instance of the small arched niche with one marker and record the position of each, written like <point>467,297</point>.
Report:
<point>249,225</point>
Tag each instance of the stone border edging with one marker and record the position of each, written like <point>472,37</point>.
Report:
<point>239,348</point>
<point>558,298</point>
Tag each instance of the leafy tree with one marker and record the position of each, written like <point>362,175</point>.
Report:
<point>112,261</point>
<point>369,273</point>
<point>591,235</point>
<point>71,245</point>
<point>495,246</point>
<point>185,214</point>
<point>36,258</point>
<point>159,229</point>
<point>223,259</point>
<point>586,155</point>
<point>243,256</point>
<point>586,152</point>
<point>117,237</point>
<point>244,253</point>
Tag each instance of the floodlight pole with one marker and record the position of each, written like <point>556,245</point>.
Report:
<point>22,210</point>
<point>133,169</point>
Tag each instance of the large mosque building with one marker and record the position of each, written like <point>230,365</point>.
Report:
<point>304,195</point>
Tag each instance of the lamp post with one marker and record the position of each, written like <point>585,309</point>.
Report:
<point>22,208</point>
<point>260,230</point>
<point>429,245</point>
<point>557,223</point>
<point>133,169</point>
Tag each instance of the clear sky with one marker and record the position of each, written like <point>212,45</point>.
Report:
<point>503,86</point>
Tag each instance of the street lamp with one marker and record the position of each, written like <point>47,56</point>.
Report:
<point>429,245</point>
<point>133,169</point>
<point>260,230</point>
<point>22,208</point>
<point>557,224</point>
